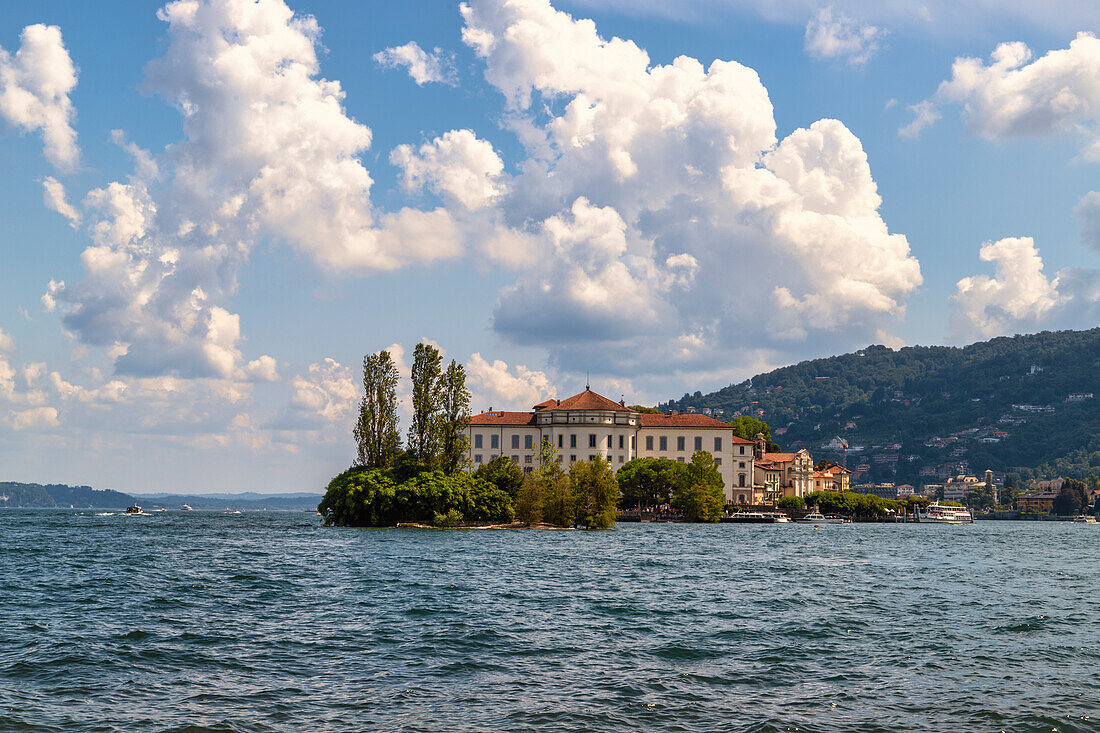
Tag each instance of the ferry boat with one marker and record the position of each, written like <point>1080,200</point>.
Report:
<point>819,518</point>
<point>756,518</point>
<point>937,513</point>
<point>1084,519</point>
<point>135,509</point>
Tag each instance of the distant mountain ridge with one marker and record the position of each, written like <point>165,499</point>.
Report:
<point>922,413</point>
<point>15,494</point>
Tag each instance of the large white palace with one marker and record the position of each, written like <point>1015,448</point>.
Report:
<point>588,425</point>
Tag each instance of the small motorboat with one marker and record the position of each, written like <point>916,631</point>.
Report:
<point>186,508</point>
<point>134,510</point>
<point>1084,519</point>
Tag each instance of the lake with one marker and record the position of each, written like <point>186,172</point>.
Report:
<point>266,621</point>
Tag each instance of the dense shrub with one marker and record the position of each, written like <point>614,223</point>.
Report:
<point>373,498</point>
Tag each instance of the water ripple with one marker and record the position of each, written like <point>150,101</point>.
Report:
<point>267,622</point>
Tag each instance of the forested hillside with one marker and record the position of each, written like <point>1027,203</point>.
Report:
<point>923,413</point>
<point>14,494</point>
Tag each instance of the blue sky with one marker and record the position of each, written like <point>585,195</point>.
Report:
<point>541,190</point>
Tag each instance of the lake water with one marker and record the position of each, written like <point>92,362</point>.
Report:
<point>268,622</point>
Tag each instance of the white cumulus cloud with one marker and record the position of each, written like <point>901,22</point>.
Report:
<point>925,115</point>
<point>35,84</point>
<point>833,35</point>
<point>268,151</point>
<point>495,384</point>
<point>423,67</point>
<point>53,195</point>
<point>655,201</point>
<point>456,164</point>
<point>1018,95</point>
<point>1020,297</point>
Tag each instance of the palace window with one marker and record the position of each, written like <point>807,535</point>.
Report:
<point>698,442</point>
<point>572,459</point>
<point>717,445</point>
<point>591,440</point>
<point>742,450</point>
<point>741,480</point>
<point>561,439</point>
<point>494,441</point>
<point>680,442</point>
<point>515,459</point>
<point>477,441</point>
<point>620,459</point>
<point>527,442</point>
<point>621,442</point>
<point>633,442</point>
<point>527,459</point>
<point>649,442</point>
<point>741,464</point>
<point>515,442</point>
<point>663,443</point>
<point>609,442</point>
<point>717,461</point>
<point>477,458</point>
<point>573,440</point>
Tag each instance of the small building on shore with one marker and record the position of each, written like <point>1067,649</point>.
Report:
<point>780,474</point>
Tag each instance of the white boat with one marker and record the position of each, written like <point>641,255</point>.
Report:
<point>186,508</point>
<point>781,518</point>
<point>134,510</point>
<point>819,518</point>
<point>937,513</point>
<point>1084,519</point>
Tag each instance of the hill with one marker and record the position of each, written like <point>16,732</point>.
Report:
<point>921,413</point>
<point>13,494</point>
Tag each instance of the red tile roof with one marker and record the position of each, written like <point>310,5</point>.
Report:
<point>650,420</point>
<point>589,400</point>
<point>548,403</point>
<point>498,417</point>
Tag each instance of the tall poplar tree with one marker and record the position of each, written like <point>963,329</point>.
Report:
<point>454,418</point>
<point>426,404</point>
<point>376,435</point>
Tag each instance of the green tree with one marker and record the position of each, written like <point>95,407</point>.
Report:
<point>502,473</point>
<point>646,482</point>
<point>646,410</point>
<point>790,503</point>
<point>1072,499</point>
<point>700,502</point>
<point>454,418</point>
<point>360,497</point>
<point>426,404</point>
<point>980,496</point>
<point>703,469</point>
<point>747,427</point>
<point>595,493</point>
<point>545,491</point>
<point>376,437</point>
